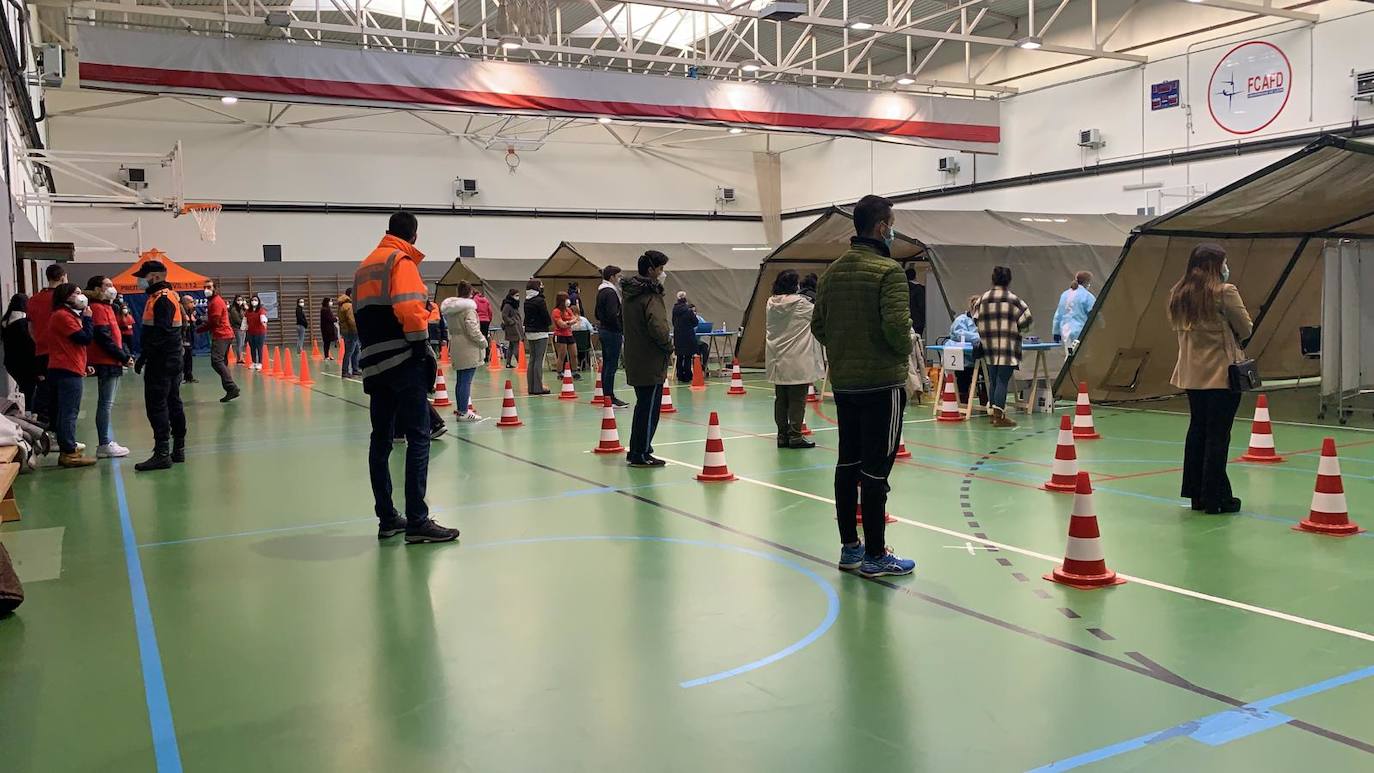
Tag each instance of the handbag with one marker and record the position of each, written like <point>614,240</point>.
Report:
<point>1243,374</point>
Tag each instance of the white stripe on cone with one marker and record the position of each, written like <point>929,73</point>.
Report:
<point>1061,467</point>
<point>1081,549</point>
<point>1329,466</point>
<point>1333,504</point>
<point>1261,441</point>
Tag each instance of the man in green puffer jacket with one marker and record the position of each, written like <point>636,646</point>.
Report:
<point>862,319</point>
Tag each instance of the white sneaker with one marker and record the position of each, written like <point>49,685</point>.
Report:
<point>469,417</point>
<point>80,446</point>
<point>111,451</point>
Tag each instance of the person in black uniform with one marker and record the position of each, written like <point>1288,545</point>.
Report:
<point>160,363</point>
<point>916,302</point>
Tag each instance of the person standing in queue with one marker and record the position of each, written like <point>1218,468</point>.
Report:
<point>348,328</point>
<point>611,331</point>
<point>17,338</point>
<point>861,317</point>
<point>69,333</point>
<point>329,327</point>
<point>302,325</point>
<point>221,332</point>
<point>538,323</point>
<point>398,370</point>
<point>40,310</point>
<point>648,345</point>
<point>188,339</point>
<point>107,356</point>
<point>238,311</point>
<point>160,362</point>
<point>256,321</point>
<point>512,325</point>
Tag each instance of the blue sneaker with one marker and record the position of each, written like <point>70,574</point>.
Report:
<point>851,558</point>
<point>888,563</point>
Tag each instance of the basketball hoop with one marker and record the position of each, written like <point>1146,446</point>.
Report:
<point>206,216</point>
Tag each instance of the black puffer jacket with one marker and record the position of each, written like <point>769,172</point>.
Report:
<point>648,339</point>
<point>537,319</point>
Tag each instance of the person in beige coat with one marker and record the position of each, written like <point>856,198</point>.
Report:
<point>793,358</point>
<point>466,345</point>
<point>1207,313</point>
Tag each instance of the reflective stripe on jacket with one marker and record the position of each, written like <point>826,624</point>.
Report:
<point>389,305</point>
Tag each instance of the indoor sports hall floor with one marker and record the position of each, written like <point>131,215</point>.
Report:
<point>237,614</point>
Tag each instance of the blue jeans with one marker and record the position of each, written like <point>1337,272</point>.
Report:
<point>109,385</point>
<point>351,354</point>
<point>255,343</point>
<point>644,423</point>
<point>463,387</point>
<point>300,337</point>
<point>67,389</point>
<point>611,343</point>
<point>1001,377</point>
<point>400,407</point>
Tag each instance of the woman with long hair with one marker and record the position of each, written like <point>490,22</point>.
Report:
<point>20,361</point>
<point>1002,318</point>
<point>466,345</point>
<point>564,343</point>
<point>512,327</point>
<point>108,357</point>
<point>537,325</point>
<point>256,329</point>
<point>1207,313</point>
<point>329,326</point>
<point>237,310</point>
<point>69,333</point>
<point>793,357</point>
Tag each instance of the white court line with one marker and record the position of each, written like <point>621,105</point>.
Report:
<point>1243,420</point>
<point>1317,624</point>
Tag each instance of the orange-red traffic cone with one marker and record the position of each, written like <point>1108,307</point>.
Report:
<point>1064,470</point>
<point>247,360</point>
<point>231,359</point>
<point>902,453</point>
<point>1084,565</point>
<point>714,468</point>
<point>1261,436</point>
<point>859,512</point>
<point>736,380</point>
<point>665,405</point>
<point>286,373</point>
<point>1328,514</point>
<point>811,396</point>
<point>509,418</point>
<point>305,380</point>
<point>493,355</point>
<point>568,392</point>
<point>599,394</point>
<point>441,398</point>
<point>805,430</point>
<point>610,436</point>
<point>1083,416</point>
<point>443,354</point>
<point>521,365</point>
<point>949,402</point>
<point>315,349</point>
<point>698,375</point>
<point>274,362</point>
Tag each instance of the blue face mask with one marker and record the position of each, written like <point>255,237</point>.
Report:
<point>890,238</point>
<point>1225,273</point>
<point>143,283</point>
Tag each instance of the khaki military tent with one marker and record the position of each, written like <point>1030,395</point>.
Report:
<point>1044,251</point>
<point>1273,225</point>
<point>716,277</point>
<point>491,276</point>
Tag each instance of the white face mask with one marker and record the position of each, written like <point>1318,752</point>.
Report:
<point>255,304</point>
<point>110,293</point>
<point>79,302</point>
<point>566,304</point>
<point>663,277</point>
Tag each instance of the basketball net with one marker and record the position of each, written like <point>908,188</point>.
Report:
<point>526,19</point>
<point>206,215</point>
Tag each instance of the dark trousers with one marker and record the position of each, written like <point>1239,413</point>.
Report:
<point>219,360</point>
<point>870,427</point>
<point>188,356</point>
<point>44,401</point>
<point>611,344</point>
<point>67,388</point>
<point>644,423</point>
<point>684,362</point>
<point>789,410</point>
<point>162,400</point>
<point>399,407</point>
<point>255,343</point>
<point>1212,412</point>
<point>485,327</point>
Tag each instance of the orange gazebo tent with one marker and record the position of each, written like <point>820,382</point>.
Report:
<point>181,278</point>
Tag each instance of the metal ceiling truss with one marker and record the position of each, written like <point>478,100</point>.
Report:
<point>819,47</point>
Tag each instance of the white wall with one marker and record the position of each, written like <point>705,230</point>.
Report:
<point>1039,127</point>
<point>374,166</point>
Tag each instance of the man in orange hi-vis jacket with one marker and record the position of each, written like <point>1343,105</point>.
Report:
<point>398,371</point>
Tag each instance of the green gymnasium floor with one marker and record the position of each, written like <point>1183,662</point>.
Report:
<point>237,614</point>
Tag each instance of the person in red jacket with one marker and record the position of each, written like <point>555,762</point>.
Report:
<point>69,332</point>
<point>40,310</point>
<point>107,356</point>
<point>257,329</point>
<point>483,320</point>
<point>221,338</point>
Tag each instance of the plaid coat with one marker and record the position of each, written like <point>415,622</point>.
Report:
<point>1002,318</point>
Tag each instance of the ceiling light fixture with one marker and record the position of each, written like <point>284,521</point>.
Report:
<point>751,65</point>
<point>906,80</point>
<point>511,43</point>
<point>229,100</point>
<point>860,24</point>
<point>736,130</point>
<point>603,119</point>
<point>1030,42</point>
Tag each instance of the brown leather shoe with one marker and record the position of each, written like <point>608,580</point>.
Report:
<point>74,460</point>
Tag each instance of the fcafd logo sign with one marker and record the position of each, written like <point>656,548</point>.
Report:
<point>1250,87</point>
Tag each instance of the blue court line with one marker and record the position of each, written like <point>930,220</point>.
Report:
<point>832,612</point>
<point>165,749</point>
<point>1216,729</point>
